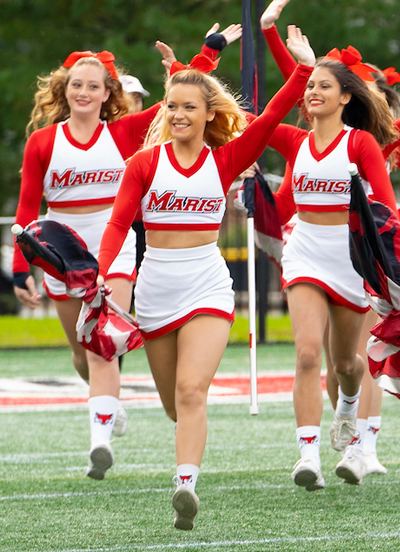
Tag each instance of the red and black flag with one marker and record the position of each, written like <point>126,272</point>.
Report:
<point>60,252</point>
<point>267,226</point>
<point>375,254</point>
<point>257,196</point>
<point>102,327</point>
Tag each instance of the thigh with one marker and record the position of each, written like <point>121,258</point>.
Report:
<point>68,312</point>
<point>121,291</point>
<point>308,310</point>
<point>162,356</point>
<point>201,345</point>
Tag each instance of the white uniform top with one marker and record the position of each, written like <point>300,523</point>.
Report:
<point>195,200</point>
<point>79,172</point>
<point>311,187</point>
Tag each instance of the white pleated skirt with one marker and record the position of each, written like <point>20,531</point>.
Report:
<point>320,255</point>
<point>174,285</point>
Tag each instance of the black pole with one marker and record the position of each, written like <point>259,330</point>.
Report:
<point>262,261</point>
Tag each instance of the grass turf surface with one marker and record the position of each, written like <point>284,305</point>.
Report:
<point>247,499</point>
<point>18,332</point>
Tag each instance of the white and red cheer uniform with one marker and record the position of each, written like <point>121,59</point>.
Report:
<point>69,174</point>
<point>320,182</point>
<point>176,284</point>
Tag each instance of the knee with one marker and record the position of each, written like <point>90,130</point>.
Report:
<point>349,366</point>
<point>190,395</point>
<point>308,359</point>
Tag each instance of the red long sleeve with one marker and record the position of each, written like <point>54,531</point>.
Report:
<point>283,58</point>
<point>231,159</point>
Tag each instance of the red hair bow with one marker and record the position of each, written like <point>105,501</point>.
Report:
<point>202,63</point>
<point>352,58</point>
<point>106,58</point>
<point>391,76</point>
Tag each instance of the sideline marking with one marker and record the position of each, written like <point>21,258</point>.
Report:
<point>236,542</point>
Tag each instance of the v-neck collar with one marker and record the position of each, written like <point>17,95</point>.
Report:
<point>318,156</point>
<point>191,170</point>
<point>77,144</point>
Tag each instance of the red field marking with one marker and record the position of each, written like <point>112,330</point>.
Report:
<point>140,389</point>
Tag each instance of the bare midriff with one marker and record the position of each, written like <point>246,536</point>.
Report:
<point>175,239</point>
<point>83,209</point>
<point>333,218</point>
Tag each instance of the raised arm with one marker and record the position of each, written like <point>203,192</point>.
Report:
<point>285,62</point>
<point>247,148</point>
<point>214,43</point>
<point>272,13</point>
<point>231,33</point>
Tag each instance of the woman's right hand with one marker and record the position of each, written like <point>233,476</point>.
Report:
<point>250,172</point>
<point>299,46</point>
<point>272,13</point>
<point>167,54</point>
<point>28,297</point>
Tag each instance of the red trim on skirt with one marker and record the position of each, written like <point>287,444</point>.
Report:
<point>333,297</point>
<point>148,336</point>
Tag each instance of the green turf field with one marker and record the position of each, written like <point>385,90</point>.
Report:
<point>248,501</point>
<point>16,332</point>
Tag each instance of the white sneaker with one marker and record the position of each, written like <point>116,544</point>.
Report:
<point>372,464</point>
<point>343,431</point>
<point>351,467</point>
<point>306,473</point>
<point>186,504</point>
<point>121,422</point>
<point>101,458</point>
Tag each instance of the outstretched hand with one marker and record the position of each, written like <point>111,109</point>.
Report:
<point>28,297</point>
<point>272,13</point>
<point>167,54</point>
<point>231,33</point>
<point>299,46</point>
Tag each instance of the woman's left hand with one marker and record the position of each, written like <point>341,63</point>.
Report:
<point>299,46</point>
<point>231,33</point>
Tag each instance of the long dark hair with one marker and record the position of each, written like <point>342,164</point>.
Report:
<point>365,110</point>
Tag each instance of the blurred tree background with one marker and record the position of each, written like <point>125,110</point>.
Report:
<point>37,35</point>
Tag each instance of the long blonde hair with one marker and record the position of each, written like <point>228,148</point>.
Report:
<point>229,120</point>
<point>50,103</point>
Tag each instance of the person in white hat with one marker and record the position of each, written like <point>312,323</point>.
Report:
<point>134,89</point>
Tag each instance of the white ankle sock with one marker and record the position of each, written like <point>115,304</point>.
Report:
<point>346,406</point>
<point>371,434</point>
<point>102,412</point>
<point>361,425</point>
<point>309,439</point>
<point>188,474</point>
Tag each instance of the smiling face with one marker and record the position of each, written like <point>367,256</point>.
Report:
<point>86,90</point>
<point>187,113</point>
<point>323,96</point>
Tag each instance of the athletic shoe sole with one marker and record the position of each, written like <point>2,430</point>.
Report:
<point>186,505</point>
<point>348,475</point>
<point>101,459</point>
<point>308,476</point>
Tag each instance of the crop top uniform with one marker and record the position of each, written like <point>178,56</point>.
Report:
<point>176,284</point>
<point>320,182</point>
<point>286,64</point>
<point>69,174</point>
